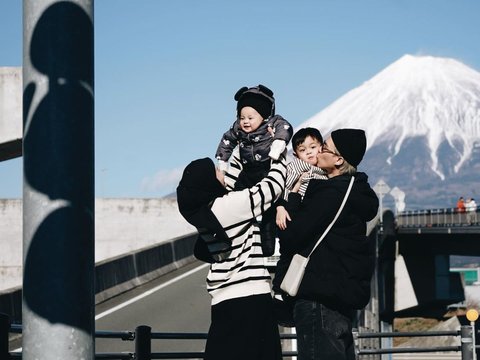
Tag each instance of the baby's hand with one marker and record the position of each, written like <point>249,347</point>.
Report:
<point>222,165</point>
<point>278,146</point>
<point>271,130</point>
<point>282,217</point>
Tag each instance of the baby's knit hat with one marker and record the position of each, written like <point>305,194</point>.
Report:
<point>258,97</point>
<point>351,144</point>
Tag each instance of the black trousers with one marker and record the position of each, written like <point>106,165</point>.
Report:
<point>244,328</point>
<point>322,333</point>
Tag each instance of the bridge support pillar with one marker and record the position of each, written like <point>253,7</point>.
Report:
<point>58,190</point>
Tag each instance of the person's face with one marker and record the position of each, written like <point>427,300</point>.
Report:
<point>250,119</point>
<point>309,150</point>
<point>328,157</point>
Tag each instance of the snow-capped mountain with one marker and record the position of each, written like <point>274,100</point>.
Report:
<point>422,119</point>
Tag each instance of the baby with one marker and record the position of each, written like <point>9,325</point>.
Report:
<point>306,144</point>
<point>260,136</point>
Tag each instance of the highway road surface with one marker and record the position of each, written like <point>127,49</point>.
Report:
<point>175,302</point>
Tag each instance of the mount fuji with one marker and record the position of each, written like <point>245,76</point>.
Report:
<point>421,115</point>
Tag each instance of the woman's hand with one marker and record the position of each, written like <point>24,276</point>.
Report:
<point>282,217</point>
<point>220,176</point>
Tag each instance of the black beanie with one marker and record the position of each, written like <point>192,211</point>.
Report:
<point>351,144</point>
<point>199,185</point>
<point>259,97</point>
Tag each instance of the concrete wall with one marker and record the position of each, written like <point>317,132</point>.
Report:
<point>121,226</point>
<point>124,225</point>
<point>10,112</point>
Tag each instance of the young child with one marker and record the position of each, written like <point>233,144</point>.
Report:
<point>260,135</point>
<point>306,144</point>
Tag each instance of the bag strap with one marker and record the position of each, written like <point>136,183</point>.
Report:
<point>336,216</point>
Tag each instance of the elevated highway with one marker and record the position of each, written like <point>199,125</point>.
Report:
<point>10,112</point>
<point>414,261</point>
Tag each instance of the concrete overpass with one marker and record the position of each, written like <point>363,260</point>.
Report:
<point>10,112</point>
<point>414,261</point>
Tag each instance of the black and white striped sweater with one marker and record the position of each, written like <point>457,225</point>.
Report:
<point>243,272</point>
<point>295,169</point>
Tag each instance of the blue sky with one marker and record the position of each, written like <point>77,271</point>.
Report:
<point>166,71</point>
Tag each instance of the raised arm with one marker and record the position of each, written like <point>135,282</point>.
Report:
<point>241,207</point>
<point>227,144</point>
<point>282,132</point>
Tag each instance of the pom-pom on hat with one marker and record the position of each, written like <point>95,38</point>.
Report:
<point>258,97</point>
<point>351,144</point>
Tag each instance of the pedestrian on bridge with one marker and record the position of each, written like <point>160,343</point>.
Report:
<point>471,208</point>
<point>337,278</point>
<point>243,325</point>
<point>460,205</point>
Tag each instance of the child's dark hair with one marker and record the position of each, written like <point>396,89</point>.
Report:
<point>300,136</point>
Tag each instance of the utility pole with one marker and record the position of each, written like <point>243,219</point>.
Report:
<point>58,188</point>
<point>381,188</point>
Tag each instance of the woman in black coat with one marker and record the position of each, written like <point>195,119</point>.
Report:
<point>337,278</point>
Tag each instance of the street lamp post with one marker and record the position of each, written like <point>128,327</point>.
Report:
<point>381,189</point>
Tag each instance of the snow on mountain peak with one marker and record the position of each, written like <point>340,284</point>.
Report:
<point>435,98</point>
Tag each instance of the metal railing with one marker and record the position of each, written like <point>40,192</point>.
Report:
<point>438,217</point>
<point>466,345</point>
<point>143,336</point>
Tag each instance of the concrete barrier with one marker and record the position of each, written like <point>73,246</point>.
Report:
<point>122,226</point>
<point>122,273</point>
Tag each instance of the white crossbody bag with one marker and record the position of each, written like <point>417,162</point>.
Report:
<point>293,278</point>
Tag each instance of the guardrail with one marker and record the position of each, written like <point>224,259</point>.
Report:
<point>438,217</point>
<point>143,336</point>
<point>466,346</point>
<point>122,273</point>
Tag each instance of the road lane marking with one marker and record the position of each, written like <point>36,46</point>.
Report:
<point>141,296</point>
<point>149,292</point>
